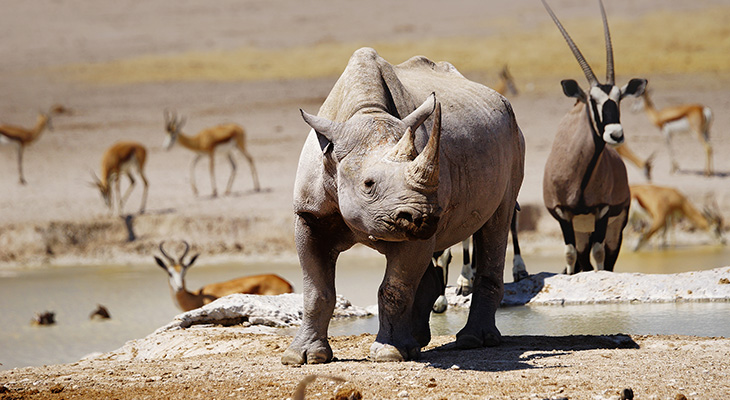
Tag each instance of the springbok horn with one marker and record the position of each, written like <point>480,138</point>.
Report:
<point>405,150</point>
<point>610,76</point>
<point>164,253</point>
<point>576,52</point>
<point>424,170</point>
<point>185,252</point>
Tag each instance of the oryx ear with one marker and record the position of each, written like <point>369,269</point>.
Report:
<point>572,89</point>
<point>161,263</point>
<point>635,87</point>
<point>326,130</point>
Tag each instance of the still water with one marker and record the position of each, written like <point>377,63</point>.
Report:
<point>139,302</point>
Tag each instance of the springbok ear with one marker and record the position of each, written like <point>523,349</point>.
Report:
<point>572,89</point>
<point>326,130</point>
<point>161,263</point>
<point>635,87</point>
<point>192,260</point>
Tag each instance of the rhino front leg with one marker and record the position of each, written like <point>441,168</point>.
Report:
<point>318,254</point>
<point>406,265</point>
<point>490,243</point>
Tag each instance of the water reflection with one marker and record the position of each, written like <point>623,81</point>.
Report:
<point>139,301</point>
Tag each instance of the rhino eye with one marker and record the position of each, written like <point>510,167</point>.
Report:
<point>369,184</point>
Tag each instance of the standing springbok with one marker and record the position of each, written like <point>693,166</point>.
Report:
<point>585,187</point>
<point>23,137</point>
<point>122,158</point>
<point>663,204</point>
<point>266,284</point>
<point>679,119</point>
<point>220,138</point>
<point>644,165</point>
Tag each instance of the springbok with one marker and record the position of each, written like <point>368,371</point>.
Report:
<point>266,284</point>
<point>644,165</point>
<point>122,158</point>
<point>679,119</point>
<point>221,138</point>
<point>22,138</point>
<point>506,83</point>
<point>465,281</point>
<point>585,187</point>
<point>663,204</point>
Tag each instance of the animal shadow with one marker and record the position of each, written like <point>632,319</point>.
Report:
<point>510,355</point>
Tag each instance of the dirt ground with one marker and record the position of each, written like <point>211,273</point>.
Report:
<point>117,66</point>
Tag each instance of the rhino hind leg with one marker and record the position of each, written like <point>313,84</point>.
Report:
<point>490,244</point>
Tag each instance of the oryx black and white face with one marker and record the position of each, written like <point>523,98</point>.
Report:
<point>603,100</point>
<point>604,106</point>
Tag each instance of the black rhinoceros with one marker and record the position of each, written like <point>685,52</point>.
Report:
<point>371,173</point>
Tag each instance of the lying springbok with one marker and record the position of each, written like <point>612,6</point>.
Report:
<point>679,119</point>
<point>266,284</point>
<point>220,138</point>
<point>663,204</point>
<point>585,187</point>
<point>122,158</point>
<point>465,281</point>
<point>23,137</point>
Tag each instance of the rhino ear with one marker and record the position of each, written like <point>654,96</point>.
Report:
<point>326,130</point>
<point>416,118</point>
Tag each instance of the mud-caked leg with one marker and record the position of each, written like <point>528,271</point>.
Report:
<point>407,263</point>
<point>490,244</point>
<point>318,249</point>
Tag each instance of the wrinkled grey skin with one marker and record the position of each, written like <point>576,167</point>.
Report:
<point>359,181</point>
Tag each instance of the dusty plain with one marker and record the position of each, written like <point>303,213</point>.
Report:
<point>117,65</point>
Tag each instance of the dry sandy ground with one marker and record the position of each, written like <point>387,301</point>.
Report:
<point>57,219</point>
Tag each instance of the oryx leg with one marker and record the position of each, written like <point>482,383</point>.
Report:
<point>441,261</point>
<point>614,238</point>
<point>318,250</point>
<point>565,220</point>
<point>598,237</point>
<point>519,271</point>
<point>407,264</point>
<point>192,173</point>
<point>490,244</point>
<point>465,281</point>
<point>233,174</point>
<point>583,252</point>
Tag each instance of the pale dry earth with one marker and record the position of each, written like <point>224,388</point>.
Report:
<point>57,219</point>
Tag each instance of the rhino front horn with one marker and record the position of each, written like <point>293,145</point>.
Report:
<point>423,172</point>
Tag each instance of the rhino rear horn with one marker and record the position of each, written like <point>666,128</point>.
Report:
<point>423,172</point>
<point>416,118</point>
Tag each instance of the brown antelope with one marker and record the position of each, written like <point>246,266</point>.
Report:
<point>663,204</point>
<point>506,83</point>
<point>22,137</point>
<point>585,187</point>
<point>221,138</point>
<point>122,158</point>
<point>682,118</point>
<point>645,165</point>
<point>266,284</point>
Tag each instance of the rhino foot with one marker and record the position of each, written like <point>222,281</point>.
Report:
<point>315,353</point>
<point>380,352</point>
<point>475,340</point>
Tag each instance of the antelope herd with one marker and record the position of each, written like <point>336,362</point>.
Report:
<point>585,184</point>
